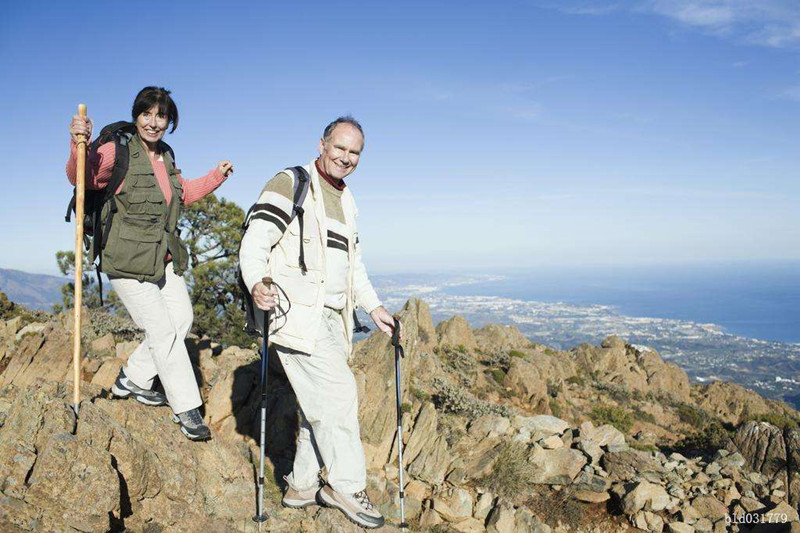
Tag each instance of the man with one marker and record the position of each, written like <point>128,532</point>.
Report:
<point>317,270</point>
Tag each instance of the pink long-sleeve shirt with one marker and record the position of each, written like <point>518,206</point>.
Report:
<point>100,165</point>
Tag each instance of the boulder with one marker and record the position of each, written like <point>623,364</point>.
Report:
<point>454,506</point>
<point>104,346</point>
<point>628,465</point>
<point>489,426</point>
<point>546,424</point>
<point>645,496</point>
<point>784,509</point>
<point>427,520</point>
<point>763,447</point>
<point>124,349</point>
<point>107,374</point>
<point>494,338</point>
<point>605,435</point>
<point>456,331</point>
<point>483,506</point>
<point>525,380</point>
<point>501,520</point>
<point>556,467</point>
<point>710,507</point>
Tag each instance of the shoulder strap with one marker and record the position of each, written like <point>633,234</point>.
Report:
<point>168,149</point>
<point>301,183</point>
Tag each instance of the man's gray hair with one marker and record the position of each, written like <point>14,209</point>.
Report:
<point>347,119</point>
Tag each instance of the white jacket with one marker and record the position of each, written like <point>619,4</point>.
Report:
<point>268,251</point>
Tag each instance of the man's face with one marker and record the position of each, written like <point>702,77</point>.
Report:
<point>338,156</point>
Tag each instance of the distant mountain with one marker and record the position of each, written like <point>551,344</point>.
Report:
<point>34,291</point>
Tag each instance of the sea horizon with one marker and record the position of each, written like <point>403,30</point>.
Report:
<point>753,300</point>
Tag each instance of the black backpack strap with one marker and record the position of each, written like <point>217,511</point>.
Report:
<point>357,326</point>
<point>301,183</point>
<point>121,140</point>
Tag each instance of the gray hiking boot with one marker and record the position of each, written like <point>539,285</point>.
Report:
<point>298,499</point>
<point>356,507</point>
<point>192,425</point>
<point>124,388</point>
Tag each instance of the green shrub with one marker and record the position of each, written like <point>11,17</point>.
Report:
<point>406,407</point>
<point>618,393</point>
<point>616,416</point>
<point>498,375</point>
<point>776,419</point>
<point>556,408</point>
<point>549,351</point>
<point>712,437</point>
<point>461,348</point>
<point>644,447</point>
<point>644,416</point>
<point>454,399</point>
<point>512,473</point>
<point>419,394</point>
<point>516,353</point>
<point>692,415</point>
<point>576,380</point>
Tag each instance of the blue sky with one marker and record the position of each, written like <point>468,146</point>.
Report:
<point>510,134</point>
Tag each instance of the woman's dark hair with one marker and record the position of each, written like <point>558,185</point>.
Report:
<point>150,96</point>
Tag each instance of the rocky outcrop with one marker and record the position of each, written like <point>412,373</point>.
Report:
<point>618,363</point>
<point>497,338</point>
<point>496,429</point>
<point>733,403</point>
<point>456,331</point>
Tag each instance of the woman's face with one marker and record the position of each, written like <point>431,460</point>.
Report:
<point>151,125</point>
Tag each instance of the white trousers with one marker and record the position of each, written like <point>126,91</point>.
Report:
<point>164,311</point>
<point>326,390</point>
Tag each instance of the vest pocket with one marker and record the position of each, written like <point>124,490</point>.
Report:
<point>139,245</point>
<point>144,204</point>
<point>300,289</point>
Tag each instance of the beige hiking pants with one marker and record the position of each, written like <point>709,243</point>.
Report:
<point>164,311</point>
<point>326,390</point>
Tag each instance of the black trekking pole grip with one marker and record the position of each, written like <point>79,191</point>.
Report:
<point>396,335</point>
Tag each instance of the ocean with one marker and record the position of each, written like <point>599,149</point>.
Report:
<point>759,301</point>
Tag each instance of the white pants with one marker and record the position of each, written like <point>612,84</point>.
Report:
<point>164,311</point>
<point>328,396</point>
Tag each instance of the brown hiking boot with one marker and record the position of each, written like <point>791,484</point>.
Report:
<point>356,507</point>
<point>298,499</point>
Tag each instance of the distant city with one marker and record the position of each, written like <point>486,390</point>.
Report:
<point>705,351</point>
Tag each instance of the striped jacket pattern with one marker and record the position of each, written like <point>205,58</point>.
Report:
<point>271,247</point>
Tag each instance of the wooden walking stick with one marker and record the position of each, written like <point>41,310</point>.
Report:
<point>80,182</point>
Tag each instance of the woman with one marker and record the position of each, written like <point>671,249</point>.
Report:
<point>143,255</point>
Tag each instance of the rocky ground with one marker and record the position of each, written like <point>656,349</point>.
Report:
<point>501,435</point>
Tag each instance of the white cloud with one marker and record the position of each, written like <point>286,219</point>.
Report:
<point>773,23</point>
<point>792,93</point>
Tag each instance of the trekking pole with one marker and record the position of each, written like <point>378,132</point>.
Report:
<point>260,517</point>
<point>399,354</point>
<point>80,182</point>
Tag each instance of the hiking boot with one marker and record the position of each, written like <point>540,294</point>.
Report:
<point>124,387</point>
<point>192,425</point>
<point>298,499</point>
<point>356,507</point>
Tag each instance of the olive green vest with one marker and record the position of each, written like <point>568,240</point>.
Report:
<point>144,228</point>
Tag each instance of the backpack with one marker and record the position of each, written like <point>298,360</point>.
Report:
<point>95,229</point>
<point>301,182</point>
